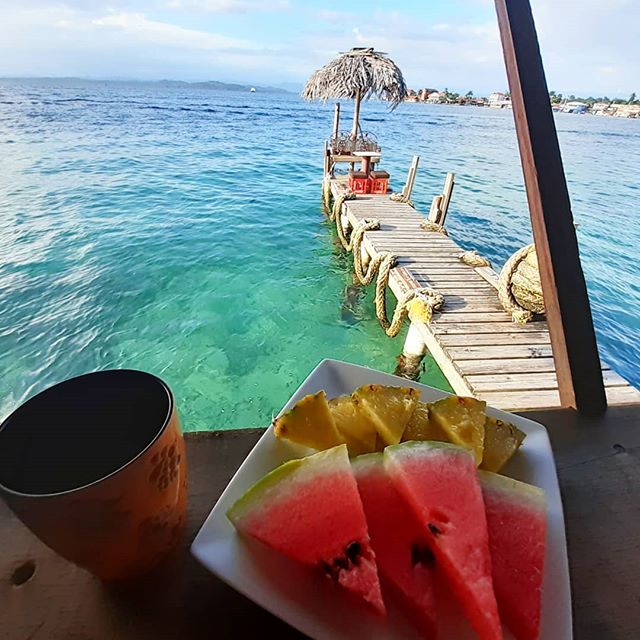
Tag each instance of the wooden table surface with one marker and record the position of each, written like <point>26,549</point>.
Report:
<point>599,469</point>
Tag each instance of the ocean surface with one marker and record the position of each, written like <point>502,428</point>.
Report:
<point>180,231</point>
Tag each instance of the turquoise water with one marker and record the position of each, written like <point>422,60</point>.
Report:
<point>180,231</point>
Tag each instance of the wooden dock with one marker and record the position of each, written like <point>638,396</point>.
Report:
<point>478,347</point>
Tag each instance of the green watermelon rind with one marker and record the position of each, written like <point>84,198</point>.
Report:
<point>413,447</point>
<point>366,461</point>
<point>274,485</point>
<point>514,489</point>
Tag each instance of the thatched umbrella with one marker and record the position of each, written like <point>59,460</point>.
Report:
<point>357,74</point>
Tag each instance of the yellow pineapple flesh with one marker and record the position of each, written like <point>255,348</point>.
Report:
<point>501,441</point>
<point>310,423</point>
<point>421,427</point>
<point>353,425</point>
<point>388,408</point>
<point>462,419</point>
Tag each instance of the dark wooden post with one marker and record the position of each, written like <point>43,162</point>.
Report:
<point>567,306</point>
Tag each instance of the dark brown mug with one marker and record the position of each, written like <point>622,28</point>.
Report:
<point>95,466</point>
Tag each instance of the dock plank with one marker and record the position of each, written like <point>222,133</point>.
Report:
<point>488,339</point>
<point>473,340</point>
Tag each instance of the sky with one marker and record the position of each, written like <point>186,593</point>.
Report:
<point>589,47</point>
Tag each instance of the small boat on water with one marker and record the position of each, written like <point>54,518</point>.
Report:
<point>252,90</point>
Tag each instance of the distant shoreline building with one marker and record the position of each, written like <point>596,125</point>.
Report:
<point>437,97</point>
<point>499,100</point>
<point>575,106</point>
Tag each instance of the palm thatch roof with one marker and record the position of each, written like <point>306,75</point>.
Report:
<point>358,74</point>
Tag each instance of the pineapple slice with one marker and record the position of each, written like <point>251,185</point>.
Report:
<point>310,423</point>
<point>388,408</point>
<point>421,427</point>
<point>358,432</point>
<point>462,419</point>
<point>501,441</point>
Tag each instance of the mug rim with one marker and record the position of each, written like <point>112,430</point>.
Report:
<point>170,410</point>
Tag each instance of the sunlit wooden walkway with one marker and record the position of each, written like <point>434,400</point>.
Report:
<point>474,341</point>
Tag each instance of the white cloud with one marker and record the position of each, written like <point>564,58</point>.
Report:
<point>590,46</point>
<point>338,17</point>
<point>230,6</point>
<point>138,26</point>
<point>587,46</point>
<point>458,55</point>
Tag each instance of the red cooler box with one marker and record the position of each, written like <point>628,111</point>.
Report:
<point>359,182</point>
<point>379,181</point>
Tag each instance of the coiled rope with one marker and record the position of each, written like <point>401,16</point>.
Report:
<point>428,225</point>
<point>366,277</point>
<point>326,195</point>
<point>336,214</point>
<point>425,300</point>
<point>519,286</point>
<point>399,197</point>
<point>474,259</point>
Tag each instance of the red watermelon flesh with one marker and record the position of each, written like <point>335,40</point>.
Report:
<point>310,511</point>
<point>517,522</point>
<point>439,481</point>
<point>405,562</point>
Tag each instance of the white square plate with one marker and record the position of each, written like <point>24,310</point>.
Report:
<point>312,604</point>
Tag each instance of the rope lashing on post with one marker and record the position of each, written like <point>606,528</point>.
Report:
<point>399,197</point>
<point>474,259</point>
<point>326,195</point>
<point>337,216</point>
<point>428,225</point>
<point>424,299</point>
<point>339,201</point>
<point>357,237</point>
<point>519,285</point>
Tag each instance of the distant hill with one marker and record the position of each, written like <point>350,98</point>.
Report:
<point>214,85</point>
<point>221,86</point>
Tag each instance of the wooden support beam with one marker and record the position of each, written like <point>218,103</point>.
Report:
<point>356,116</point>
<point>567,305</point>
<point>327,158</point>
<point>336,121</point>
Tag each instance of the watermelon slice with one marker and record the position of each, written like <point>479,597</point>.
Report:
<point>439,481</point>
<point>310,511</point>
<point>517,522</point>
<point>404,559</point>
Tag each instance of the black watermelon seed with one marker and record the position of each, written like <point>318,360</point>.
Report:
<point>353,551</point>
<point>434,529</point>
<point>421,554</point>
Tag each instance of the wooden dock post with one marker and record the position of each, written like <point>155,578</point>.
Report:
<point>440,204</point>
<point>413,352</point>
<point>435,213</point>
<point>411,177</point>
<point>446,195</point>
<point>336,121</point>
<point>573,340</point>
